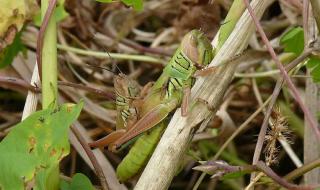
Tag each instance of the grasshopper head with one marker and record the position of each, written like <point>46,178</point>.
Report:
<point>125,87</point>
<point>196,46</point>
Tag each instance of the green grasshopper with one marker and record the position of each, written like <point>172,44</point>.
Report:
<point>171,90</point>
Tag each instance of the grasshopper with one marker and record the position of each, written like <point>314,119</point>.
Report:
<point>171,90</point>
<point>127,91</point>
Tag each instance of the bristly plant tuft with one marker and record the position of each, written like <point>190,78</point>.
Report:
<point>277,131</point>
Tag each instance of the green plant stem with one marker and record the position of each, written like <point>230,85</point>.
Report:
<point>257,74</point>
<point>236,10</point>
<point>49,60</point>
<point>49,76</point>
<point>112,55</point>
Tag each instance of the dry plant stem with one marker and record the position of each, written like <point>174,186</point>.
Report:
<point>254,180</point>
<point>275,94</point>
<point>165,160</point>
<point>32,97</point>
<point>241,128</point>
<point>36,89</point>
<point>305,15</point>
<point>281,181</point>
<point>316,11</point>
<point>43,27</point>
<point>312,99</point>
<point>302,170</point>
<point>92,157</point>
<point>15,82</point>
<point>269,109</point>
<point>286,146</point>
<point>264,169</point>
<point>109,95</point>
<point>297,97</point>
<point>135,46</point>
<point>309,117</point>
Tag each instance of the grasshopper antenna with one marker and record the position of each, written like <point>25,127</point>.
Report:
<point>101,67</point>
<point>111,58</point>
<point>113,61</point>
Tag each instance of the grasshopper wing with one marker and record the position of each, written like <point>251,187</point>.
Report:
<point>109,139</point>
<point>149,120</point>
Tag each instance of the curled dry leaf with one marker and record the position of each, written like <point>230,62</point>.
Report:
<point>221,169</point>
<point>13,13</point>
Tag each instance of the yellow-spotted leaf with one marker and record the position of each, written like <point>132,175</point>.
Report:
<point>33,149</point>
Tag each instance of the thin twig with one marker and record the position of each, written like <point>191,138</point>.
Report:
<point>92,157</point>
<point>134,45</point>
<point>305,16</point>
<point>302,170</point>
<point>220,168</point>
<point>144,58</point>
<point>109,95</point>
<point>43,27</point>
<point>241,128</point>
<point>296,95</point>
<point>21,83</point>
<point>234,134</point>
<point>281,181</point>
<point>275,94</point>
<point>277,91</point>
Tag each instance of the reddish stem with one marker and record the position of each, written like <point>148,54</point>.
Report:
<point>43,27</point>
<point>310,119</point>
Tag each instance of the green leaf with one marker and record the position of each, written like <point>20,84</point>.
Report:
<point>59,14</point>
<point>293,41</point>
<point>314,65</point>
<point>9,53</point>
<point>136,4</point>
<point>33,148</point>
<point>78,182</point>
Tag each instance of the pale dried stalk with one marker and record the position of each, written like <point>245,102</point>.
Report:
<point>312,99</point>
<point>316,11</point>
<point>164,163</point>
<point>32,98</point>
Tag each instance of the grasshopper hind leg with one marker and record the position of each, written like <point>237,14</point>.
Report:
<point>108,140</point>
